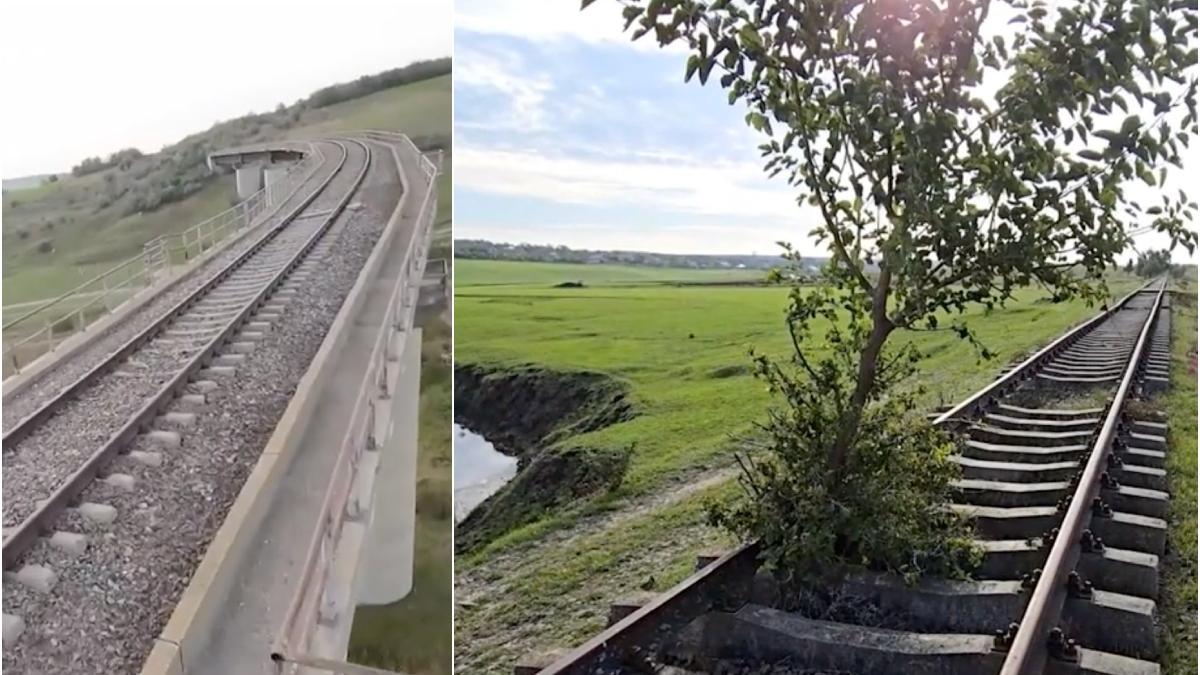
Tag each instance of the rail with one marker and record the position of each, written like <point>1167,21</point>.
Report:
<point>692,596</point>
<point>26,533</point>
<point>1030,646</point>
<point>974,402</point>
<point>43,328</point>
<point>292,645</point>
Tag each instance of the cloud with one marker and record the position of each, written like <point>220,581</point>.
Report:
<point>636,234</point>
<point>684,185</point>
<point>543,21</point>
<point>504,73</point>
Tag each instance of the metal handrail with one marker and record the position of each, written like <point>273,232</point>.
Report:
<point>1028,651</point>
<point>155,257</point>
<point>292,643</point>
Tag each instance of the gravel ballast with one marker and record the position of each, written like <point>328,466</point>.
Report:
<point>110,602</point>
<point>40,462</point>
<point>50,383</point>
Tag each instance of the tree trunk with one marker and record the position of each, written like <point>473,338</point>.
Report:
<point>868,361</point>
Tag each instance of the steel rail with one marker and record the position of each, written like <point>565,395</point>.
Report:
<point>1029,649</point>
<point>27,533</point>
<point>691,595</point>
<point>243,208</point>
<point>974,402</point>
<point>26,426</point>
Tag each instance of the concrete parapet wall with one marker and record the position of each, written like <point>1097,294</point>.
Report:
<point>199,611</point>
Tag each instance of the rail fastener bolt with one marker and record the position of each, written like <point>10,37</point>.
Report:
<point>1090,543</point>
<point>1077,586</point>
<point>1100,509</point>
<point>1005,636</point>
<point>1049,537</point>
<point>1061,647</point>
<point>1030,579</point>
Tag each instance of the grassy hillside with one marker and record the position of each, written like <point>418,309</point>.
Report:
<point>683,352</point>
<point>418,109</point>
<point>88,220</point>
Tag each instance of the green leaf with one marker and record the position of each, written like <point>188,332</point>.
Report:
<point>1131,125</point>
<point>1091,154</point>
<point>630,13</point>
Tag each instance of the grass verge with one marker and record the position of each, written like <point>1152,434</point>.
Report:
<point>1177,606</point>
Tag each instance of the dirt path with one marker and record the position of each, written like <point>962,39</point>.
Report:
<point>555,591</point>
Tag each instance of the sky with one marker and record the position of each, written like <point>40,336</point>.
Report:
<point>87,78</point>
<point>568,133</point>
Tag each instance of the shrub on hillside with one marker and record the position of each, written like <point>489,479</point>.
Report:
<point>123,158</point>
<point>369,84</point>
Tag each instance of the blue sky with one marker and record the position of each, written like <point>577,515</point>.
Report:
<point>568,133</point>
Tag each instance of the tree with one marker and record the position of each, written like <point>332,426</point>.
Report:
<point>935,195</point>
<point>1153,263</point>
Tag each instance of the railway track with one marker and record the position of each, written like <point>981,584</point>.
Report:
<point>143,439</point>
<point>1062,476</point>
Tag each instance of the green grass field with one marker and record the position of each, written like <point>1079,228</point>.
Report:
<point>504,273</point>
<point>683,352</point>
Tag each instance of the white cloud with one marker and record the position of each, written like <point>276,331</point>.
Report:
<point>548,21</point>
<point>688,186</point>
<point>640,235</point>
<point>96,77</point>
<point>505,73</point>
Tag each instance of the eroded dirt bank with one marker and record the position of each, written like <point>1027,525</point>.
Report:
<point>532,413</point>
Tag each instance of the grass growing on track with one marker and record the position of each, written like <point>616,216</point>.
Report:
<point>682,350</point>
<point>1177,618</point>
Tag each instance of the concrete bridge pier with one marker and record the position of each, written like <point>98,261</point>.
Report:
<point>272,175</point>
<point>249,180</point>
<point>255,166</point>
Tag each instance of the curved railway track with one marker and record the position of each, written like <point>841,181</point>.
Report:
<point>1067,494</point>
<point>123,422</point>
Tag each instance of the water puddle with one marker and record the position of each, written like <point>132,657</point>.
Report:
<point>479,470</point>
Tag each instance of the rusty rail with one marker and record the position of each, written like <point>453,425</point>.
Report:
<point>1029,649</point>
<point>975,402</point>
